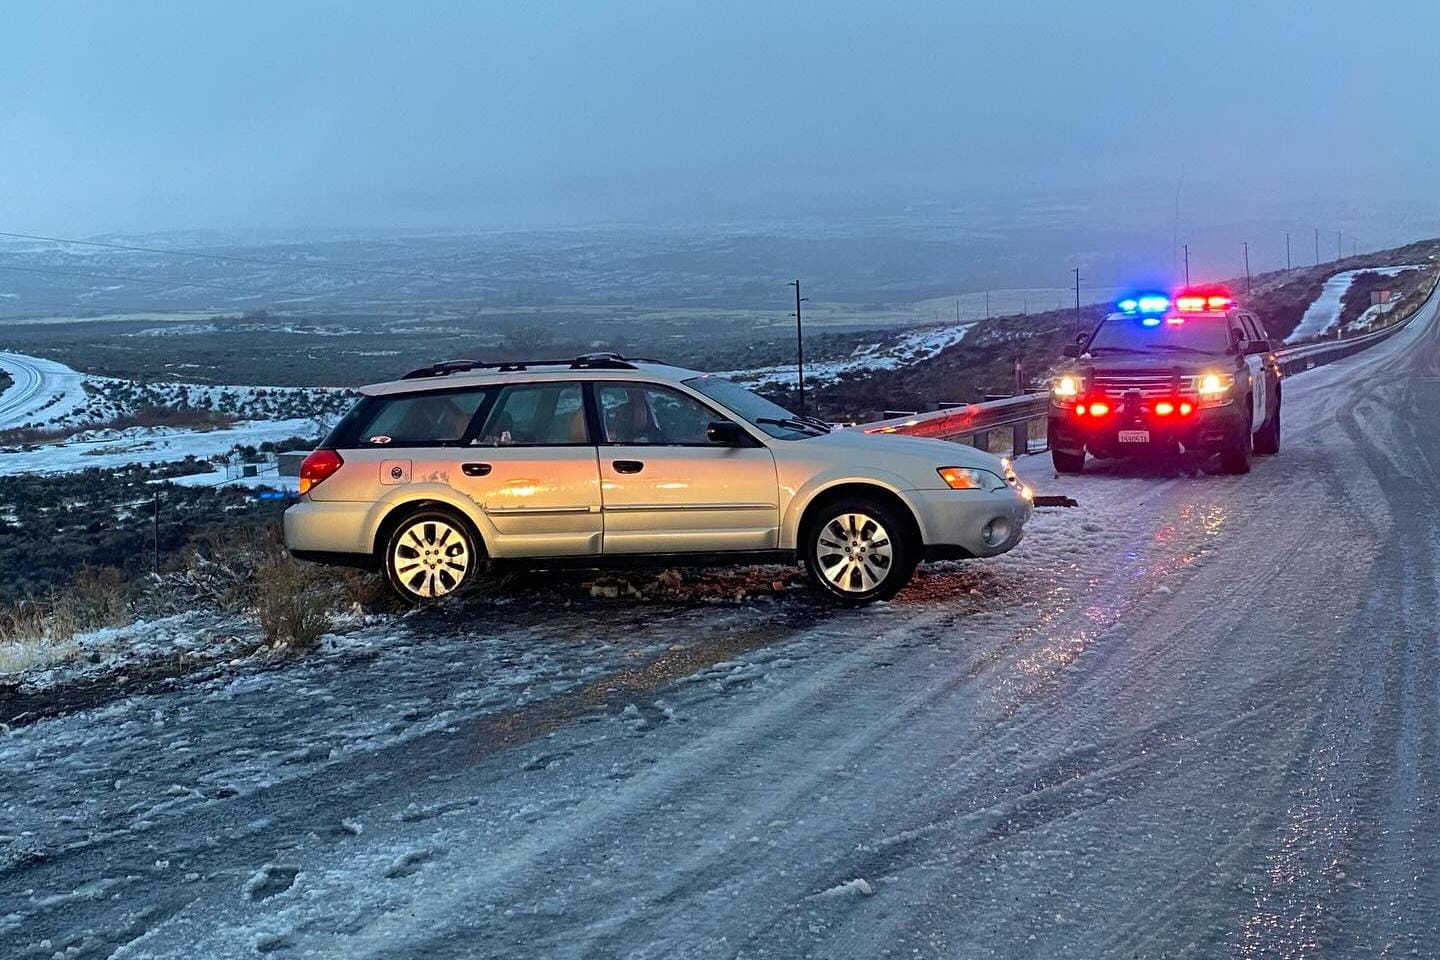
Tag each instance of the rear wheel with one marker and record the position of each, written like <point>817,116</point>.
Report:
<point>1235,458</point>
<point>1267,439</point>
<point>430,555</point>
<point>1068,462</point>
<point>858,550</point>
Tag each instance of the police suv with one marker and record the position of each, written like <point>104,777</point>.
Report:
<point>1193,375</point>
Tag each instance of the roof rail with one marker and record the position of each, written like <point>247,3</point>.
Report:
<point>589,361</point>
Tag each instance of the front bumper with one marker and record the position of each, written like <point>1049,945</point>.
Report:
<point>1207,430</point>
<point>957,524</point>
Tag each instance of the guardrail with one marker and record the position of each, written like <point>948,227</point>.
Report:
<point>973,423</point>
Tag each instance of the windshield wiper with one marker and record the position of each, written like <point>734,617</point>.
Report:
<point>794,423</point>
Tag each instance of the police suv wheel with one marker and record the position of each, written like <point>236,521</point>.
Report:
<point>1235,458</point>
<point>1068,462</point>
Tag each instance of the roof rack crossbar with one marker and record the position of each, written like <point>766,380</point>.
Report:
<point>588,361</point>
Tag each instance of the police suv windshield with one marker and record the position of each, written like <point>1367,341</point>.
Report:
<point>1127,333</point>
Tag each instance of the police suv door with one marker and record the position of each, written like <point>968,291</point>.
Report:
<point>1259,385</point>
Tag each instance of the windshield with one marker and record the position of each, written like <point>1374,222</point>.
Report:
<point>770,417</point>
<point>1122,333</point>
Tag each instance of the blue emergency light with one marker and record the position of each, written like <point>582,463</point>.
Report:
<point>1145,303</point>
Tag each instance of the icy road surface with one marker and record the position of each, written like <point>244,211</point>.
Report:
<point>42,390</point>
<point>1195,717</point>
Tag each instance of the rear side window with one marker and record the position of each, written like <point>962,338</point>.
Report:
<point>417,418</point>
<point>536,414</point>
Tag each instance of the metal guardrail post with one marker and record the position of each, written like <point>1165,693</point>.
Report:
<point>1020,439</point>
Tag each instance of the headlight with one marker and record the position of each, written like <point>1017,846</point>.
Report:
<point>1007,470</point>
<point>1213,388</point>
<point>1067,386</point>
<point>1214,384</point>
<point>968,478</point>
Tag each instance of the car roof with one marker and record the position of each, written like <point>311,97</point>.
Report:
<point>458,374</point>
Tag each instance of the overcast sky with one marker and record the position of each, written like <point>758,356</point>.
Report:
<point>125,116</point>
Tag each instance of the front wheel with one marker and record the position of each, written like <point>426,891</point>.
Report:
<point>430,555</point>
<point>857,551</point>
<point>1235,458</point>
<point>1067,462</point>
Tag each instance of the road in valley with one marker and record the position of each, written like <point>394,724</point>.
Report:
<point>1193,717</point>
<point>42,390</point>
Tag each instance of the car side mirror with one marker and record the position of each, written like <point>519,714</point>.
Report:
<point>726,433</point>
<point>1071,350</point>
<point>1254,347</point>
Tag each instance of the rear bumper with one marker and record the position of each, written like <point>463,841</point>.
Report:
<point>1207,431</point>
<point>967,523</point>
<point>314,527</point>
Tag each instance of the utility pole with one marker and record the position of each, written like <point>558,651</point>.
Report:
<point>1076,271</point>
<point>1339,249</point>
<point>1287,251</point>
<point>987,304</point>
<point>1317,246</point>
<point>799,345</point>
<point>1187,264</point>
<point>957,309</point>
<point>1247,268</point>
<point>156,530</point>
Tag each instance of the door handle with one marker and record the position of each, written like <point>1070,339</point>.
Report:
<point>475,469</point>
<point>628,466</point>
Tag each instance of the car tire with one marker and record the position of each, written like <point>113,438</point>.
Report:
<point>1068,462</point>
<point>429,555</point>
<point>1267,439</point>
<point>858,550</point>
<point>1235,458</point>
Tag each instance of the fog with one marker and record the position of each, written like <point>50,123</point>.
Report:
<point>1211,121</point>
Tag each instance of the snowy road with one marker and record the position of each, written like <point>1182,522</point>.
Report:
<point>1194,717</point>
<point>42,389</point>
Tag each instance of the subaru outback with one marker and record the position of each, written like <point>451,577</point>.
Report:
<point>603,459</point>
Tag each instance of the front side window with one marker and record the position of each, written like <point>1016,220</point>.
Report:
<point>536,414</point>
<point>637,413</point>
<point>418,419</point>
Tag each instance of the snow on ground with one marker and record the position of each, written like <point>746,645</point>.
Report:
<point>146,445</point>
<point>907,348</point>
<point>43,390</point>
<point>1321,316</point>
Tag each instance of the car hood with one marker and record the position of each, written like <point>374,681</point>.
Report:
<point>1132,363</point>
<point>889,448</point>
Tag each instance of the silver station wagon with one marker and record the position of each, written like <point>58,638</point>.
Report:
<point>604,459</point>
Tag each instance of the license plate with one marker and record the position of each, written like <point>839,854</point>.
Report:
<point>1134,436</point>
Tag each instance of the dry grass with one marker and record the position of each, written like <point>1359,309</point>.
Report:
<point>292,604</point>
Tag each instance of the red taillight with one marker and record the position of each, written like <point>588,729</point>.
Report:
<point>1164,409</point>
<point>318,466</point>
<point>1099,409</point>
<point>1186,409</point>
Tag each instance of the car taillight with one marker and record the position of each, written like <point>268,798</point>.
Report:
<point>316,467</point>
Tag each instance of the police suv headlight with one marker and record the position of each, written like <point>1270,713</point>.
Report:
<point>1065,388</point>
<point>1213,388</point>
<point>970,478</point>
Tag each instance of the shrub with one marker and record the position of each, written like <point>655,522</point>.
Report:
<point>292,607</point>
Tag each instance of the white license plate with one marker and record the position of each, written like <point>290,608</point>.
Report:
<point>1134,436</point>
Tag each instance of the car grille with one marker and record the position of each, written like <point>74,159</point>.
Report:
<point>1146,384</point>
